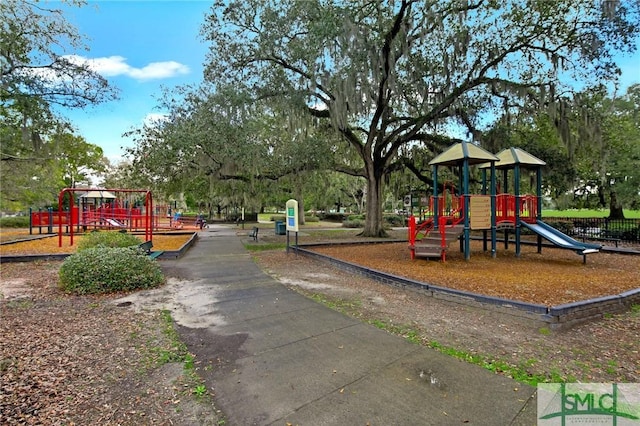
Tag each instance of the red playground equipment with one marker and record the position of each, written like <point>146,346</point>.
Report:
<point>130,209</point>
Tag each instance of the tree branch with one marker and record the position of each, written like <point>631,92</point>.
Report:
<point>383,90</point>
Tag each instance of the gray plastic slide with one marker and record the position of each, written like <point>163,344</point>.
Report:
<point>561,240</point>
<point>115,223</point>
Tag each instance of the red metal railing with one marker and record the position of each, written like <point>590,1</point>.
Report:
<point>506,208</point>
<point>451,213</point>
<point>74,219</point>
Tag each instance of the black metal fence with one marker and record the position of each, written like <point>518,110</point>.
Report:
<point>627,230</point>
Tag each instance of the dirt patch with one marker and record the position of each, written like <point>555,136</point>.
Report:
<point>84,360</point>
<point>15,288</point>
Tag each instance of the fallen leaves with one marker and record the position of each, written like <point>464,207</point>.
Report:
<point>79,360</point>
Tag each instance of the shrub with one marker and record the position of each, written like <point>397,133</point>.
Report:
<point>333,217</point>
<point>14,222</point>
<point>564,226</point>
<point>107,239</point>
<point>311,218</point>
<point>109,269</point>
<point>394,220</point>
<point>353,223</point>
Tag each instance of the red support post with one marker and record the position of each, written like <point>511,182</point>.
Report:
<point>412,236</point>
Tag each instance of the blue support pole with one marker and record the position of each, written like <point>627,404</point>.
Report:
<point>505,190</point>
<point>517,212</point>
<point>467,234</point>
<point>539,206</point>
<point>484,192</point>
<point>539,193</point>
<point>493,210</point>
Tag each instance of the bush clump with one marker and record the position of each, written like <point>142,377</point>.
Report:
<point>333,217</point>
<point>14,222</point>
<point>353,223</point>
<point>109,269</point>
<point>394,220</point>
<point>108,239</point>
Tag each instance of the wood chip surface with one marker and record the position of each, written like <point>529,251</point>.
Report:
<point>550,278</point>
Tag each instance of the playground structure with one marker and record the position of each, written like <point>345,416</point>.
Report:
<point>110,209</point>
<point>453,217</point>
<point>105,209</point>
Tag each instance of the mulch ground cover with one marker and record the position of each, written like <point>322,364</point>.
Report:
<point>550,278</point>
<point>49,245</point>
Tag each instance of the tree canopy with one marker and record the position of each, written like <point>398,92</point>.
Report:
<point>33,43</point>
<point>39,75</point>
<point>608,148</point>
<point>384,75</point>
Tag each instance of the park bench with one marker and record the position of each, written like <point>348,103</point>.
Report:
<point>253,233</point>
<point>147,246</point>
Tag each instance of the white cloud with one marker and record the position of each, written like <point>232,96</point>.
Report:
<point>153,118</point>
<point>108,67</point>
<point>112,66</point>
<point>159,70</point>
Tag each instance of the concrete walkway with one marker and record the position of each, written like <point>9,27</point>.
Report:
<point>274,357</point>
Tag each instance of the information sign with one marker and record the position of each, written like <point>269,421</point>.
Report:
<point>292,215</point>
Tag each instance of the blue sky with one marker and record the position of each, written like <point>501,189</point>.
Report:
<point>140,46</point>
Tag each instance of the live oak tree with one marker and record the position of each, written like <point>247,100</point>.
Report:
<point>77,160</point>
<point>37,47</point>
<point>387,74</point>
<point>38,76</point>
<point>64,160</point>
<point>202,146</point>
<point>591,146</point>
<point>227,150</point>
<point>607,147</point>
<point>539,135</point>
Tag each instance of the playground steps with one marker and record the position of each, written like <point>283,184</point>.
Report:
<point>431,246</point>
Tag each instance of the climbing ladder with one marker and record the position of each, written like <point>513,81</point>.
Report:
<point>426,241</point>
<point>437,244</point>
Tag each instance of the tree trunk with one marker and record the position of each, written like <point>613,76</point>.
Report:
<point>601,197</point>
<point>373,225</point>
<point>301,220</point>
<point>615,208</point>
<point>299,193</point>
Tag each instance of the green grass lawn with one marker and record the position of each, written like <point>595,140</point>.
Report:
<point>628,214</point>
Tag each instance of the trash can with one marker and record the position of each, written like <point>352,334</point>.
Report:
<point>281,229</point>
